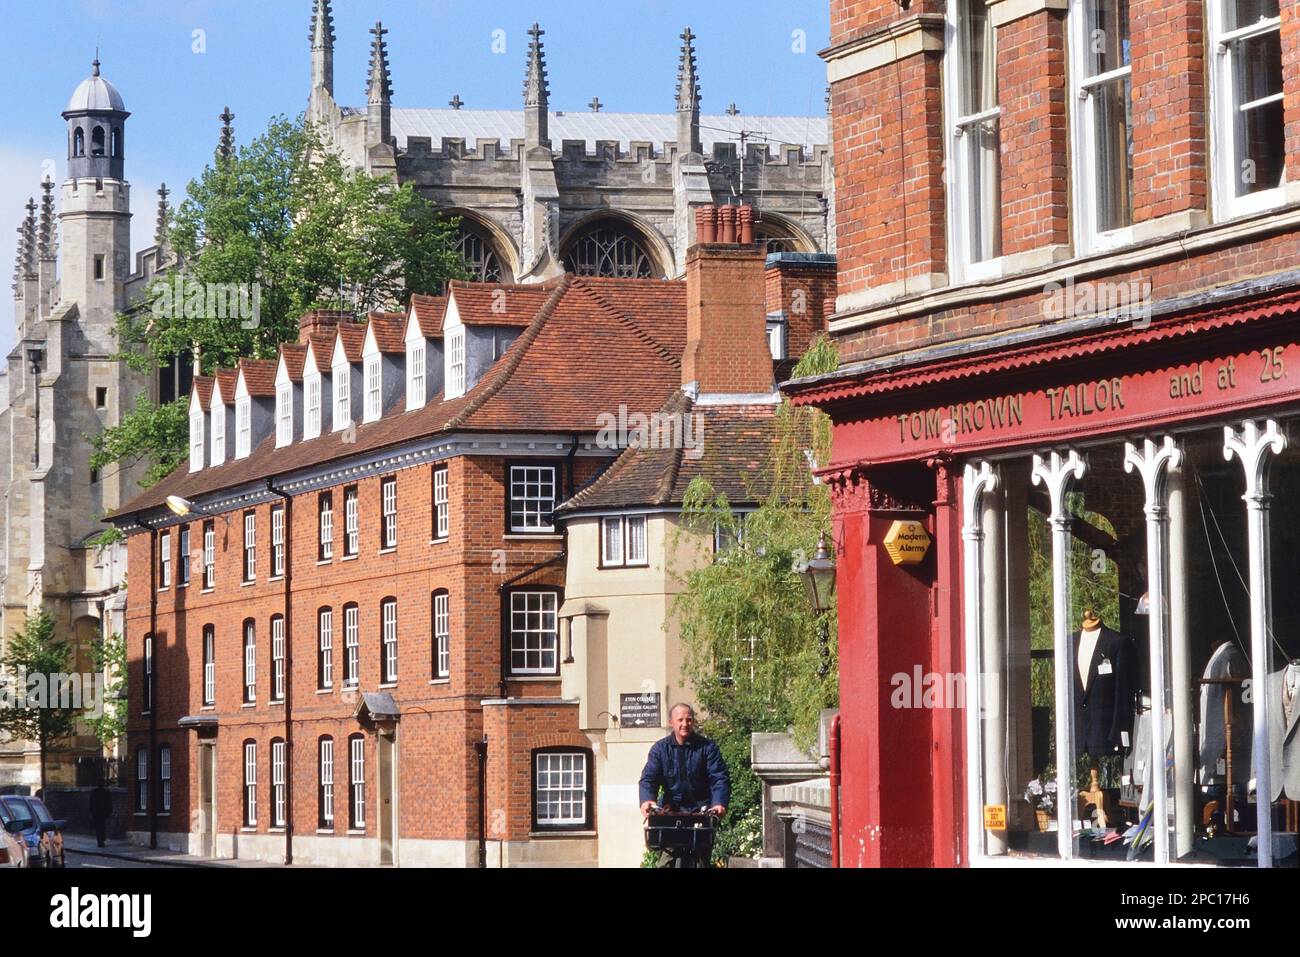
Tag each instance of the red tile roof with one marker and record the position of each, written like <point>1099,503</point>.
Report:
<point>353,337</point>
<point>203,389</point>
<point>226,379</point>
<point>259,376</point>
<point>430,310</point>
<point>389,331</point>
<point>322,351</point>
<point>494,304</point>
<point>294,357</point>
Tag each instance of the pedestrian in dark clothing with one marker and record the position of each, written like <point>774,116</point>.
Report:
<point>689,768</point>
<point>101,809</point>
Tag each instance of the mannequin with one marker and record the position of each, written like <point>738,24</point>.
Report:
<point>1104,688</point>
<point>1284,731</point>
<point>1227,662</point>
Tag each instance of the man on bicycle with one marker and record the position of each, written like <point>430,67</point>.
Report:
<point>689,768</point>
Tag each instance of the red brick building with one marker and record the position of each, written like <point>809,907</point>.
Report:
<point>1069,321</point>
<point>343,624</point>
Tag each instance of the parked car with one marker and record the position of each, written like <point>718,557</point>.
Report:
<point>13,849</point>
<point>43,835</point>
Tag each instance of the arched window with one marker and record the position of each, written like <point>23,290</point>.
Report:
<point>117,142</point>
<point>609,249</point>
<point>481,261</point>
<point>78,142</point>
<point>775,240</point>
<point>97,142</point>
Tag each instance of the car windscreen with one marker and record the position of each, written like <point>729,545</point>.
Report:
<point>17,808</point>
<point>42,812</point>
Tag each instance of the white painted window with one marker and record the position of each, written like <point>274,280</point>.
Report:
<point>148,675</point>
<point>284,415</point>
<point>277,783</point>
<point>1246,99</point>
<point>165,776</point>
<point>277,541</point>
<point>374,386</point>
<point>532,498</point>
<point>250,546</point>
<point>165,560</point>
<point>351,521</point>
<point>325,662</point>
<point>277,658</point>
<point>532,632</point>
<point>776,338</point>
<point>250,661</point>
<point>636,545</point>
<point>622,540</point>
<point>560,788</point>
<point>243,427</point>
<point>209,555</point>
<point>441,503</point>
<point>1101,94</point>
<point>326,551</point>
<point>142,779</point>
<point>209,665</point>
<point>388,499</point>
<point>326,783</point>
<point>218,433</point>
<point>342,397</point>
<point>196,441</point>
<point>974,176</point>
<point>357,778</point>
<point>441,634</point>
<point>611,541</point>
<point>415,375</point>
<point>311,423</point>
<point>456,364</point>
<point>250,784</point>
<point>351,645</point>
<point>388,615</point>
<point>183,558</point>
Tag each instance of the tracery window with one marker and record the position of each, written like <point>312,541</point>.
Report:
<point>481,260</point>
<point>609,251</point>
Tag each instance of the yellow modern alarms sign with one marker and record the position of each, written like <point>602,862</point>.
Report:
<point>995,817</point>
<point>907,542</point>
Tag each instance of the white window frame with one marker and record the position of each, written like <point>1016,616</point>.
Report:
<point>521,476</point>
<point>277,542</point>
<point>549,771</point>
<point>250,662</point>
<point>357,783</point>
<point>165,777</point>
<point>1225,109</point>
<point>284,415</point>
<point>209,666</point>
<point>243,427</point>
<point>374,389</point>
<point>456,382</point>
<point>142,780</point>
<point>528,641</point>
<point>961,147</point>
<point>277,658</point>
<point>351,520</point>
<point>327,781</point>
<point>776,330</point>
<point>342,380</point>
<point>209,556</point>
<point>196,441</point>
<point>619,554</point>
<point>388,619</point>
<point>441,502</point>
<point>325,511</point>
<point>1083,108</point>
<point>183,557</point>
<point>611,552</point>
<point>278,749</point>
<point>165,560</point>
<point>442,634</point>
<point>250,546</point>
<point>388,507</point>
<point>351,646</point>
<point>250,784</point>
<point>415,375</point>
<point>148,675</point>
<point>218,433</point>
<point>311,385</point>
<point>636,561</point>
<point>325,643</point>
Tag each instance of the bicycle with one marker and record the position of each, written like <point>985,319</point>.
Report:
<point>685,836</point>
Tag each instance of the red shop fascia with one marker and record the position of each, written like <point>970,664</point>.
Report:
<point>904,427</point>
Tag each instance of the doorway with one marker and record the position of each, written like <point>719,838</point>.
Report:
<point>387,745</point>
<point>207,800</point>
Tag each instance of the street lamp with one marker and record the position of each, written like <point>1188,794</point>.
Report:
<point>183,508</point>
<point>819,579</point>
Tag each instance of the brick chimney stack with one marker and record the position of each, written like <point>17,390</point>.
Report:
<point>726,326</point>
<point>321,322</point>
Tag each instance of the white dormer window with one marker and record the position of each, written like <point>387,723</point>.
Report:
<point>196,441</point>
<point>311,423</point>
<point>374,402</point>
<point>456,364</point>
<point>283,415</point>
<point>218,433</point>
<point>415,375</point>
<point>243,426</point>
<point>342,397</point>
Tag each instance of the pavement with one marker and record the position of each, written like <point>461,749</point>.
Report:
<point>120,850</point>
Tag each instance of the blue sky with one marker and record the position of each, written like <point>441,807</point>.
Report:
<point>762,54</point>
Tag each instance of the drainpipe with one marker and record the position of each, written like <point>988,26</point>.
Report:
<point>835,791</point>
<point>481,748</point>
<point>288,665</point>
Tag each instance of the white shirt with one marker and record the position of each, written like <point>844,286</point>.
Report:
<point>1087,645</point>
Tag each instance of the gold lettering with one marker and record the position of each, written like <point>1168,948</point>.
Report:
<point>1067,401</point>
<point>1116,389</point>
<point>978,414</point>
<point>915,423</point>
<point>932,424</point>
<point>1017,409</point>
<point>1051,403</point>
<point>1103,395</point>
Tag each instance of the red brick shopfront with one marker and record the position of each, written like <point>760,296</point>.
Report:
<point>1146,471</point>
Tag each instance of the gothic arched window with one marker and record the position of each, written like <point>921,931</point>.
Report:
<point>481,260</point>
<point>775,239</point>
<point>117,142</point>
<point>78,142</point>
<point>608,250</point>
<point>97,142</point>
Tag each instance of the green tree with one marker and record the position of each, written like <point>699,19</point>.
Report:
<point>33,663</point>
<point>286,223</point>
<point>109,657</point>
<point>753,649</point>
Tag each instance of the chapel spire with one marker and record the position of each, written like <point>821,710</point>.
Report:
<point>688,98</point>
<point>322,46</point>
<point>536,92</point>
<point>29,240</point>
<point>379,90</point>
<point>226,145</point>
<point>163,218</point>
<point>47,241</point>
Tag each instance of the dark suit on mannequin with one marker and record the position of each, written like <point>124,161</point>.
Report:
<point>1103,711</point>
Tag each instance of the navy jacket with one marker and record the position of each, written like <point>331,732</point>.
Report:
<point>1103,714</point>
<point>692,774</point>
